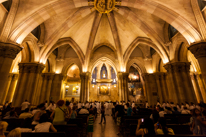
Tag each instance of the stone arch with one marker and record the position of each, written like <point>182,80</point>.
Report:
<point>69,64</point>
<point>138,63</point>
<point>40,15</point>
<point>135,43</point>
<point>170,16</point>
<point>30,53</point>
<point>101,60</point>
<point>104,44</point>
<point>72,43</point>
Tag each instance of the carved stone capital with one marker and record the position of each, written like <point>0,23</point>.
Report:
<point>198,49</point>
<point>177,66</point>
<point>9,50</point>
<point>48,76</point>
<point>30,68</point>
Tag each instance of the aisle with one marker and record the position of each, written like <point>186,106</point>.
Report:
<point>105,130</point>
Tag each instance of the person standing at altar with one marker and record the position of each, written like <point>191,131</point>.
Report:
<point>98,107</point>
<point>106,108</point>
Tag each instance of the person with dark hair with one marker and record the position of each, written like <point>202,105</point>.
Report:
<point>83,110</point>
<point>161,128</point>
<point>44,124</point>
<point>129,110</point>
<point>175,111</point>
<point>185,111</point>
<point>103,114</point>
<point>68,107</point>
<point>59,114</point>
<point>148,127</point>
<point>13,115</point>
<point>119,112</point>
<point>203,122</point>
<point>24,105</point>
<point>26,114</point>
<point>73,113</point>
<point>162,112</point>
<point>90,122</point>
<point>51,106</point>
<point>40,110</point>
<point>197,125</point>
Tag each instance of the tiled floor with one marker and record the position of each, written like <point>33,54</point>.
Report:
<point>109,129</point>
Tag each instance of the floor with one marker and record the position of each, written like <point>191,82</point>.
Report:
<point>109,129</point>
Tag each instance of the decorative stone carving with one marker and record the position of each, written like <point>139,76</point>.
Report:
<point>177,67</point>
<point>30,67</point>
<point>198,49</point>
<point>9,50</point>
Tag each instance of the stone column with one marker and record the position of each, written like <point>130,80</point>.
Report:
<point>123,86</point>
<point>8,52</point>
<point>199,51</point>
<point>151,88</point>
<point>196,87</point>
<point>158,76</point>
<point>46,86</point>
<point>12,87</point>
<point>56,87</point>
<point>164,87</point>
<point>29,75</point>
<point>202,86</point>
<point>179,83</point>
<point>84,86</point>
<point>7,87</point>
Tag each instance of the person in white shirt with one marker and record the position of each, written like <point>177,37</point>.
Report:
<point>46,104</point>
<point>147,105</point>
<point>185,111</point>
<point>162,112</point>
<point>106,105</point>
<point>178,108</point>
<point>51,107</point>
<point>25,105</point>
<point>71,105</point>
<point>83,111</point>
<point>87,105</point>
<point>158,104</point>
<point>79,105</point>
<point>187,105</point>
<point>182,106</point>
<point>172,104</point>
<point>168,105</point>
<point>44,125</point>
<point>133,104</point>
<point>123,103</point>
<point>26,114</point>
<point>98,107</point>
<point>192,106</point>
<point>163,105</point>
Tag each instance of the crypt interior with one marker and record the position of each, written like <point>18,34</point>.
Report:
<point>137,50</point>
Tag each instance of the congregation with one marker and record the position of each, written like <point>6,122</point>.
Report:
<point>150,120</point>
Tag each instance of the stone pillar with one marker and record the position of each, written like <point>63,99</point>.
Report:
<point>196,87</point>
<point>151,88</point>
<point>199,51</point>
<point>29,75</point>
<point>7,87</point>
<point>123,86</point>
<point>85,77</point>
<point>12,87</point>
<point>202,86</point>
<point>8,52</point>
<point>158,78</point>
<point>179,83</point>
<point>56,87</point>
<point>164,86</point>
<point>46,86</point>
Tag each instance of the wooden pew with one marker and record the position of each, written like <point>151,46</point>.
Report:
<point>43,134</point>
<point>70,130</point>
<point>13,123</point>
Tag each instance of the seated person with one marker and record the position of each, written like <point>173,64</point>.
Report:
<point>185,111</point>
<point>148,127</point>
<point>3,127</point>
<point>175,111</point>
<point>14,133</point>
<point>26,114</point>
<point>162,112</point>
<point>83,111</point>
<point>13,115</point>
<point>44,124</point>
<point>73,113</point>
<point>8,112</point>
<point>161,128</point>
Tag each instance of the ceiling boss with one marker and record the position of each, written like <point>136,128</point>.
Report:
<point>104,6</point>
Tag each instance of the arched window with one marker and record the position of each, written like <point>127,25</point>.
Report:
<point>113,76</point>
<point>94,75</point>
<point>103,72</point>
